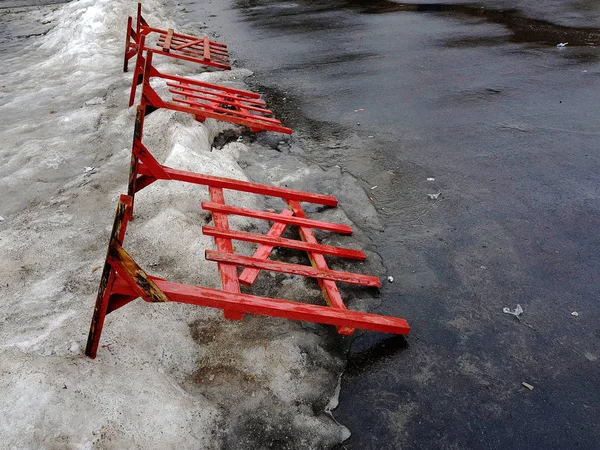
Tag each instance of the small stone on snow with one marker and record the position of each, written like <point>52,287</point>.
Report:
<point>75,348</point>
<point>95,101</point>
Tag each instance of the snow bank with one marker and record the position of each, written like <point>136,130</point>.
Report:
<point>167,376</point>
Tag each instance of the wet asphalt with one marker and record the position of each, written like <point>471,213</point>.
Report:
<point>478,97</point>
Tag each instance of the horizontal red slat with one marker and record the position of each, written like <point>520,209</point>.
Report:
<point>238,103</point>
<point>274,217</point>
<point>254,125</point>
<point>295,269</point>
<point>195,48</point>
<point>191,82</point>
<point>219,94</point>
<point>184,56</point>
<point>206,107</point>
<point>178,38</point>
<point>287,243</point>
<point>244,186</point>
<point>252,304</point>
<point>162,33</point>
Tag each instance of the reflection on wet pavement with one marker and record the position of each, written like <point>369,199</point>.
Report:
<point>479,98</point>
<point>523,29</point>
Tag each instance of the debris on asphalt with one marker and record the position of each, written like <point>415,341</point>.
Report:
<point>516,312</point>
<point>575,313</point>
<point>434,196</point>
<point>430,179</point>
<point>359,110</point>
<point>1,219</point>
<point>527,385</point>
<point>390,279</point>
<point>562,45</point>
<point>374,187</point>
<point>88,170</point>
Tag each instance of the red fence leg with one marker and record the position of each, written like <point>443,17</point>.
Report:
<point>106,283</point>
<point>108,278</point>
<point>127,44</point>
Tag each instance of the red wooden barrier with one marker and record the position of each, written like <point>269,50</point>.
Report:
<point>205,100</point>
<point>123,280</point>
<point>175,45</point>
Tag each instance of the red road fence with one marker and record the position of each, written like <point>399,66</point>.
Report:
<point>123,280</point>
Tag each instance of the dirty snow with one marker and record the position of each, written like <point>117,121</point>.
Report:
<point>166,376</point>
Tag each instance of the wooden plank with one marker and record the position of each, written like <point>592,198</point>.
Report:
<point>251,304</point>
<point>217,87</point>
<point>206,48</point>
<point>254,125</point>
<point>274,217</point>
<point>295,269</point>
<point>221,95</point>
<point>249,274</point>
<point>245,186</point>
<point>329,289</point>
<point>228,272</point>
<point>152,97</point>
<point>219,101</point>
<point>167,44</point>
<point>195,47</point>
<point>178,37</point>
<point>187,44</point>
<point>196,55</point>
<point>287,243</point>
<point>228,112</point>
